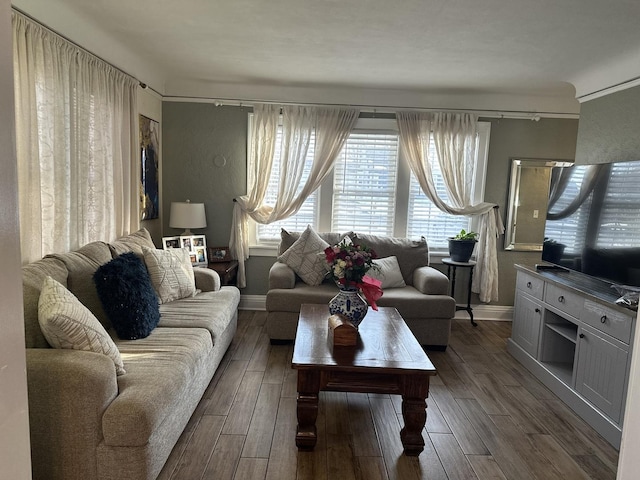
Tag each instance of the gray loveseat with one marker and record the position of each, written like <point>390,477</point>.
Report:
<point>423,302</point>
<point>87,423</point>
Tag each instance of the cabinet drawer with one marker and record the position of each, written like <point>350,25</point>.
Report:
<point>533,286</point>
<point>564,300</point>
<point>607,320</point>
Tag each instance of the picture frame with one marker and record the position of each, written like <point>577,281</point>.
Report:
<point>149,147</point>
<point>195,244</point>
<point>171,242</point>
<point>219,254</point>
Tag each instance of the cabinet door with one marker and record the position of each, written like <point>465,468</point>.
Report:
<point>527,317</point>
<point>601,372</point>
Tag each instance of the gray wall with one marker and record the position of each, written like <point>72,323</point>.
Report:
<point>546,139</point>
<point>608,129</point>
<point>195,133</point>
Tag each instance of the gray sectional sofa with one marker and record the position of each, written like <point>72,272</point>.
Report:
<point>88,423</point>
<point>424,302</point>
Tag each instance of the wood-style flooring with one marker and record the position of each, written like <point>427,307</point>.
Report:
<point>487,418</point>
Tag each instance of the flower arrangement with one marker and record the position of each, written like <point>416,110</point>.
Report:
<point>349,262</point>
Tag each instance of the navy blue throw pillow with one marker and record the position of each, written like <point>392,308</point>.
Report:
<point>127,296</point>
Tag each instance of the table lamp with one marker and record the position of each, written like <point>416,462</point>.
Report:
<point>187,215</point>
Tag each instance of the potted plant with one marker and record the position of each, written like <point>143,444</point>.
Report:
<point>461,246</point>
<point>552,251</point>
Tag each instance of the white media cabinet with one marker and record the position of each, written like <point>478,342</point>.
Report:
<point>568,331</point>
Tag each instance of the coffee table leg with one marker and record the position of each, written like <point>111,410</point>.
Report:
<point>307,409</point>
<point>414,413</point>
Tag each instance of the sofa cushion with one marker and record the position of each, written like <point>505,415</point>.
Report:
<point>81,265</point>
<point>128,297</point>
<point>388,272</point>
<point>409,301</point>
<point>67,323</point>
<point>411,254</point>
<point>306,257</point>
<point>288,238</point>
<point>171,273</point>
<point>161,370</point>
<point>132,243</point>
<point>209,310</point>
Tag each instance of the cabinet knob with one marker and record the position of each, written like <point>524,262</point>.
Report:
<point>581,335</point>
<point>561,298</point>
<point>603,319</point>
<point>537,310</point>
<point>529,285</point>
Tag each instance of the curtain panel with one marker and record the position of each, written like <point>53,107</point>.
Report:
<point>331,127</point>
<point>455,137</point>
<point>76,138</point>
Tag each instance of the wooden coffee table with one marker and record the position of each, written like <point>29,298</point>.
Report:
<point>387,359</point>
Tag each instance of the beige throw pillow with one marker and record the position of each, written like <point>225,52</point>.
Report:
<point>67,323</point>
<point>306,257</point>
<point>171,273</point>
<point>388,272</point>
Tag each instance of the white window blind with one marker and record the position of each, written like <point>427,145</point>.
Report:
<point>619,216</point>
<point>427,220</point>
<point>364,184</point>
<point>308,213</point>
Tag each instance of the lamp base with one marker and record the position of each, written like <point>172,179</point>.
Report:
<point>186,233</point>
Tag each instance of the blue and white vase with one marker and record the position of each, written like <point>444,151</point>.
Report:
<point>349,303</point>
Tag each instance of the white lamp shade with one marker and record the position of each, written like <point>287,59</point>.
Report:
<point>187,215</point>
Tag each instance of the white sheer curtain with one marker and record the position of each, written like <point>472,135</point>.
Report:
<point>332,127</point>
<point>455,137</point>
<point>76,140</point>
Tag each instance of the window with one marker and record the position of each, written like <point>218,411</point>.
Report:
<point>364,184</point>
<point>372,190</point>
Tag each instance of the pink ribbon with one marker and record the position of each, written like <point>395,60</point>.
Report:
<point>371,290</point>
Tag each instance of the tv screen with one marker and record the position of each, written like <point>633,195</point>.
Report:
<point>593,221</point>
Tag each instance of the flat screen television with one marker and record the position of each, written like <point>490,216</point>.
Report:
<point>593,221</point>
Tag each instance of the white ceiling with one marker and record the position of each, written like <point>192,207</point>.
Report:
<point>525,55</point>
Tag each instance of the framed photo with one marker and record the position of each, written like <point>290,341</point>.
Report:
<point>186,242</point>
<point>195,244</point>
<point>219,254</point>
<point>171,242</point>
<point>198,241</point>
<point>201,255</point>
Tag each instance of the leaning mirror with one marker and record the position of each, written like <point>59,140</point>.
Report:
<point>528,201</point>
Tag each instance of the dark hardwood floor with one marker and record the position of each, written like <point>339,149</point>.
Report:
<point>487,418</point>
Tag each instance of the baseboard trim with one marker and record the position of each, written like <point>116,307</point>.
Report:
<point>501,313</point>
<point>481,311</point>
<point>253,302</point>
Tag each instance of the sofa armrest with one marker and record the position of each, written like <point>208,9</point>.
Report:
<point>281,276</point>
<point>430,281</point>
<point>69,391</point>
<point>207,280</point>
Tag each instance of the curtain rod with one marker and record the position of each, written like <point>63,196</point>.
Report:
<point>80,47</point>
<point>512,114</point>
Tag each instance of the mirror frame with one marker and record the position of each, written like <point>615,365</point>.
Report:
<point>510,241</point>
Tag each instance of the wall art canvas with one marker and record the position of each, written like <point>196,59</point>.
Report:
<point>149,160</point>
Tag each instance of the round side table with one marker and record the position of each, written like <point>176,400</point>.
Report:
<point>452,266</point>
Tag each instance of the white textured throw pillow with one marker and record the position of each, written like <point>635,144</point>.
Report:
<point>388,272</point>
<point>67,323</point>
<point>171,273</point>
<point>306,257</point>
